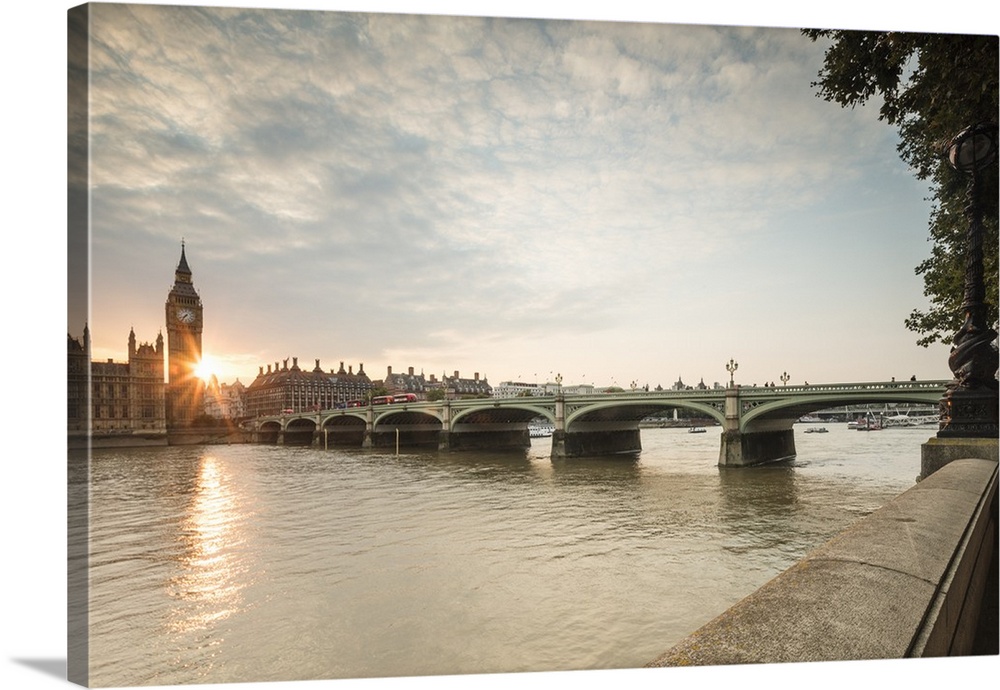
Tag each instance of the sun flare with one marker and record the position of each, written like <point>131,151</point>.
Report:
<point>205,368</point>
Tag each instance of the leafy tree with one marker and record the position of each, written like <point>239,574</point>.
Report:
<point>932,86</point>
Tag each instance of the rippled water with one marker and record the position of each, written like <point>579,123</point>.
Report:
<point>254,563</point>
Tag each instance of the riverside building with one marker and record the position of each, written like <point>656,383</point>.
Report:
<point>453,387</point>
<point>122,399</point>
<point>292,389</point>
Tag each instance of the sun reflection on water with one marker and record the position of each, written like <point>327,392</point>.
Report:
<point>207,590</point>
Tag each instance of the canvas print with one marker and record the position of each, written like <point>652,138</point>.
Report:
<point>413,345</point>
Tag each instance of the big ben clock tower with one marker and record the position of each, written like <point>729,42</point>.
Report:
<point>184,326</point>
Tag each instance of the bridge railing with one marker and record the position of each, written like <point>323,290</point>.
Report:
<point>849,387</point>
<point>744,391</point>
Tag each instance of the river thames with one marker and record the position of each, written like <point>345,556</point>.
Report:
<point>242,563</point>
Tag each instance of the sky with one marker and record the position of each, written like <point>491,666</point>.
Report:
<point>612,201</point>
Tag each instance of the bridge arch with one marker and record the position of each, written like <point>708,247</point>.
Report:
<point>405,416</point>
<point>634,410</point>
<point>343,430</point>
<point>353,413</point>
<point>508,413</point>
<point>299,431</point>
<point>268,432</point>
<point>756,411</point>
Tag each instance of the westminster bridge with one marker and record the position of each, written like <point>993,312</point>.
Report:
<point>756,422</point>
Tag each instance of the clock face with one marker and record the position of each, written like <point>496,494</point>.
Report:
<point>185,315</point>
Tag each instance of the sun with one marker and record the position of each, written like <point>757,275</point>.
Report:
<point>205,368</point>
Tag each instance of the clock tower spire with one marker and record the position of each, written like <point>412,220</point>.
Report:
<point>184,327</point>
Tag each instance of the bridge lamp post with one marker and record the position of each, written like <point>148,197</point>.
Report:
<point>784,378</point>
<point>731,368</point>
<point>558,384</point>
<point>969,406</point>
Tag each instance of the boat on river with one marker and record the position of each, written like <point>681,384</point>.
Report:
<point>540,430</point>
<point>696,430</point>
<point>816,430</point>
<point>869,423</point>
<point>908,421</point>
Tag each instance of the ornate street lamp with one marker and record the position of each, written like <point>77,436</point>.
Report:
<point>558,384</point>
<point>784,378</point>
<point>731,368</point>
<point>969,406</point>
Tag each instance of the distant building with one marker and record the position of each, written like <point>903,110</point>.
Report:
<point>291,388</point>
<point>225,401</point>
<point>453,386</point>
<point>702,386</point>
<point>458,387</point>
<point>123,398</point>
<point>516,389</point>
<point>78,385</point>
<point>398,384</point>
<point>185,323</point>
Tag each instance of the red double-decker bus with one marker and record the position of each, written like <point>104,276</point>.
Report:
<point>382,400</point>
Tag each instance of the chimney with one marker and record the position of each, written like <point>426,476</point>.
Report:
<point>350,369</point>
<point>269,368</point>
<point>261,372</point>
<point>388,371</point>
<point>411,371</point>
<point>456,374</point>
<point>477,376</point>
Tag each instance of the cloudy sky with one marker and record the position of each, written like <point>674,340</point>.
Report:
<point>614,201</point>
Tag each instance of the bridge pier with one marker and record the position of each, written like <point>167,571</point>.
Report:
<point>499,439</point>
<point>742,449</point>
<point>369,438</point>
<point>590,438</point>
<point>775,441</point>
<point>589,443</point>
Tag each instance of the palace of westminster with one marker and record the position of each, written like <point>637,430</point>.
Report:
<point>134,399</point>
